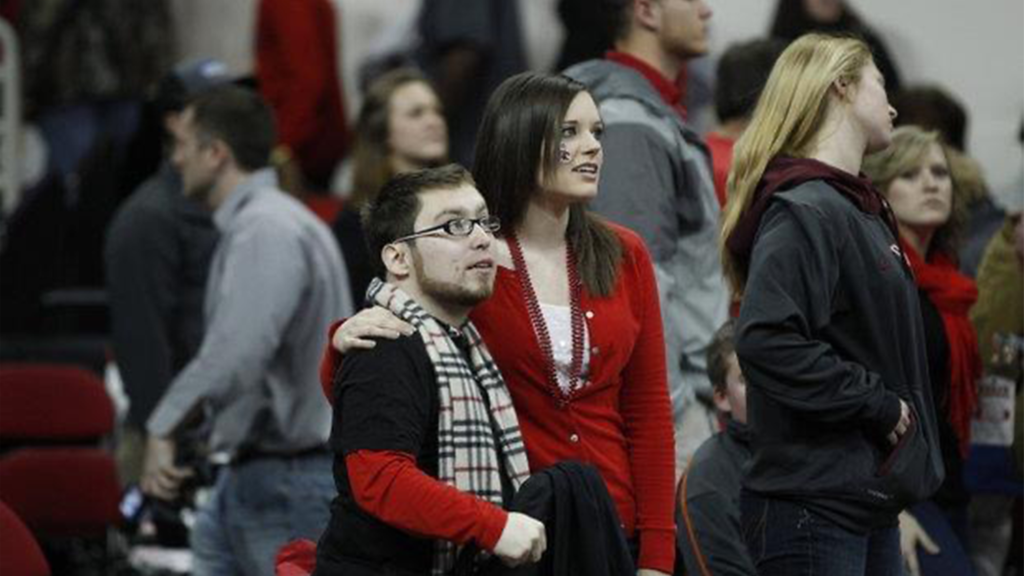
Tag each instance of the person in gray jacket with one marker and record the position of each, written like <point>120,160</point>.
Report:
<point>656,180</point>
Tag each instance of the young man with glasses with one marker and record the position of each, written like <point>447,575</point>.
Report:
<point>427,445</point>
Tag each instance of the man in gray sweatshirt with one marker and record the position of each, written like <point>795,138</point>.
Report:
<point>656,179</point>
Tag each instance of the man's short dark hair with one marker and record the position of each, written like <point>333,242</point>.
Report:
<point>721,348</point>
<point>741,76</point>
<point>393,213</point>
<point>618,17</point>
<point>241,119</point>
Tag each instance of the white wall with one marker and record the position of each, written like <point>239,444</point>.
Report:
<point>973,49</point>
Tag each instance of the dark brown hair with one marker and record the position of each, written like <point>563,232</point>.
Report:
<point>393,213</point>
<point>721,348</point>
<point>518,140</point>
<point>241,119</point>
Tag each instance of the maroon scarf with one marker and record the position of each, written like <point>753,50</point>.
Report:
<point>784,173</point>
<point>953,294</point>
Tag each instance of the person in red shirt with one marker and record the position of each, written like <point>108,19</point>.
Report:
<point>574,322</point>
<point>297,71</point>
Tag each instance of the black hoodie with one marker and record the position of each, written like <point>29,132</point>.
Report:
<point>829,338</point>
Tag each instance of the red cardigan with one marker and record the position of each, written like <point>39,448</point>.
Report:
<point>621,422</point>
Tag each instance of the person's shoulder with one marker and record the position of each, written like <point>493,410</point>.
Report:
<point>709,450</point>
<point>815,193</point>
<point>146,212</point>
<point>271,212</point>
<point>630,240</point>
<point>633,246</point>
<point>708,466</point>
<point>389,354</point>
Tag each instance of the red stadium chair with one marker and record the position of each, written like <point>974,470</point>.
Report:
<point>52,403</point>
<point>62,492</point>
<point>19,550</point>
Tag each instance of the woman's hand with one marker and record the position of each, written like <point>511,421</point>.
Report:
<point>913,535</point>
<point>902,425</point>
<point>377,322</point>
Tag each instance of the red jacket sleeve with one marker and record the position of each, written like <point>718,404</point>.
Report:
<point>330,363</point>
<point>291,65</point>
<point>647,415</point>
<point>389,486</point>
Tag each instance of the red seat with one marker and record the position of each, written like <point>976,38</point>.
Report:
<point>53,403</point>
<point>18,548</point>
<point>62,491</point>
<point>54,472</point>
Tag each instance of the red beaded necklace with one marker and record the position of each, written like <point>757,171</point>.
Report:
<point>540,327</point>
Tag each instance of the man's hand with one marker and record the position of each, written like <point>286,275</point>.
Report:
<point>913,535</point>
<point>377,322</point>
<point>160,477</point>
<point>521,541</point>
<point>902,426</point>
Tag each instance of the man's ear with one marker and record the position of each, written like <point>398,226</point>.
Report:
<point>721,401</point>
<point>219,151</point>
<point>647,14</point>
<point>397,259</point>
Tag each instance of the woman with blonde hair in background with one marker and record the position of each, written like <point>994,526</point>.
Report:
<point>830,338</point>
<point>400,128</point>
<point>916,175</point>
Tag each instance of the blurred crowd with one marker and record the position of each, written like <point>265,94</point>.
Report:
<point>112,258</point>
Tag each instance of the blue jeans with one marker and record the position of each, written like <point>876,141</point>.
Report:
<point>256,508</point>
<point>786,539</point>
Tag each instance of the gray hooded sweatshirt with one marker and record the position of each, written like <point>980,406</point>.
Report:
<point>656,180</point>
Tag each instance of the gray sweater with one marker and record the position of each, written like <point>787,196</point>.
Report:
<point>656,180</point>
<point>276,280</point>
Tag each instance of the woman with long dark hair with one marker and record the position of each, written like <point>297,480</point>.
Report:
<point>574,322</point>
<point>830,339</point>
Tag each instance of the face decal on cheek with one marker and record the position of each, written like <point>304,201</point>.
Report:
<point>564,156</point>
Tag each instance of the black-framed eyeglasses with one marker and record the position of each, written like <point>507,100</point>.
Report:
<point>458,227</point>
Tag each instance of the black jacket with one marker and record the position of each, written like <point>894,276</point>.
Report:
<point>830,337</point>
<point>584,535</point>
<point>710,490</point>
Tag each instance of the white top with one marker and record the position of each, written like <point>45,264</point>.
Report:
<point>558,320</point>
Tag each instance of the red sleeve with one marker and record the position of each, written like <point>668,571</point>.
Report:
<point>292,68</point>
<point>330,363</point>
<point>647,414</point>
<point>389,486</point>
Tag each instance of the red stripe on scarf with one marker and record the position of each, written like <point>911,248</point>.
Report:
<point>953,294</point>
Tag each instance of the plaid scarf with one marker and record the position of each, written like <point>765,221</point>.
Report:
<point>474,432</point>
